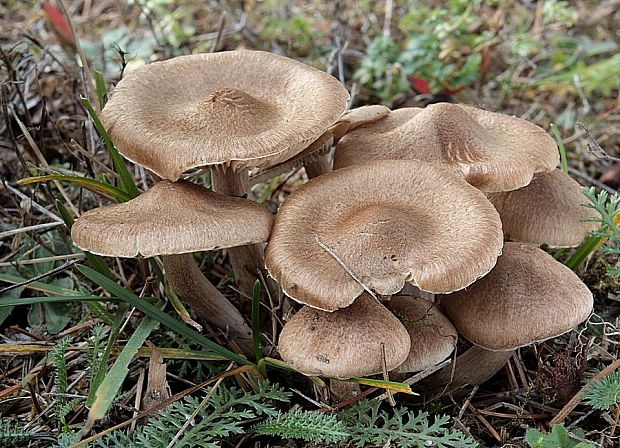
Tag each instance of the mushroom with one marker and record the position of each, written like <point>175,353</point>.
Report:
<point>346,343</point>
<point>231,111</point>
<point>547,211</point>
<point>315,157</point>
<point>376,226</point>
<point>433,337</point>
<point>175,219</point>
<point>528,297</point>
<point>492,151</point>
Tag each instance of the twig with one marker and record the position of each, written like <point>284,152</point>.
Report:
<point>39,277</point>
<point>46,225</point>
<point>220,31</point>
<point>346,268</point>
<point>77,257</point>
<point>572,404</point>
<point>34,204</point>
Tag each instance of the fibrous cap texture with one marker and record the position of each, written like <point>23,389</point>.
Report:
<point>378,226</point>
<point>493,151</point>
<point>433,337</point>
<point>345,343</point>
<point>172,218</point>
<point>547,211</point>
<point>528,297</point>
<point>238,108</point>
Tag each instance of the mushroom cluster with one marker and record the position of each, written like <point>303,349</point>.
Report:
<point>419,203</point>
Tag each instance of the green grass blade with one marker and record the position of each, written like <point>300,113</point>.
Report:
<point>159,315</point>
<point>583,252</point>
<point>86,182</point>
<point>55,299</point>
<point>46,288</point>
<point>558,139</point>
<point>102,369</point>
<point>126,181</point>
<point>389,385</point>
<point>108,389</point>
<point>101,90</point>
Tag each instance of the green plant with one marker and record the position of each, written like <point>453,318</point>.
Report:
<point>557,438</point>
<point>604,394</point>
<point>305,425</point>
<point>62,406</point>
<point>225,414</point>
<point>368,424</point>
<point>11,433</point>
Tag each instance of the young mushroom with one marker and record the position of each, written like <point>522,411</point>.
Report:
<point>433,337</point>
<point>492,151</point>
<point>528,297</point>
<point>232,111</point>
<point>346,343</point>
<point>375,227</point>
<point>547,211</point>
<point>175,219</point>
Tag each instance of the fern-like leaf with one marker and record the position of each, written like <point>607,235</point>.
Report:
<point>11,434</point>
<point>306,425</point>
<point>604,393</point>
<point>371,426</point>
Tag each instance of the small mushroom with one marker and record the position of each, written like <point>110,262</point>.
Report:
<point>433,337</point>
<point>547,211</point>
<point>377,226</point>
<point>346,343</point>
<point>492,151</point>
<point>528,297</point>
<point>175,219</point>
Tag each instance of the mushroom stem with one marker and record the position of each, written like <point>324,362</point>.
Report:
<point>473,367</point>
<point>206,300</point>
<point>247,260</point>
<point>317,165</point>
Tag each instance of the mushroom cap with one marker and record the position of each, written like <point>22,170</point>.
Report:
<point>345,343</point>
<point>172,218</point>
<point>357,117</point>
<point>494,152</point>
<point>243,108</point>
<point>528,297</point>
<point>433,337</point>
<point>547,211</point>
<point>389,223</point>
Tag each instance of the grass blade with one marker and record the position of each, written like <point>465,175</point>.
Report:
<point>86,182</point>
<point>159,315</point>
<point>55,299</point>
<point>101,90</point>
<point>126,181</point>
<point>558,139</point>
<point>108,389</point>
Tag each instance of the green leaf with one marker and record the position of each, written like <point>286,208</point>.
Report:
<point>126,181</point>
<point>11,302</point>
<point>101,90</point>
<point>39,286</point>
<point>108,389</point>
<point>159,315</point>
<point>558,139</point>
<point>86,182</point>
<point>5,302</point>
<point>310,426</point>
<point>256,324</point>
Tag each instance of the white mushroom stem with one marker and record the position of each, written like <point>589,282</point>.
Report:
<point>247,260</point>
<point>473,367</point>
<point>206,300</point>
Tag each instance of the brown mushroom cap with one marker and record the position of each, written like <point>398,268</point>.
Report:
<point>389,223</point>
<point>172,218</point>
<point>345,343</point>
<point>528,297</point>
<point>547,211</point>
<point>494,152</point>
<point>244,108</point>
<point>433,337</point>
<point>358,117</point>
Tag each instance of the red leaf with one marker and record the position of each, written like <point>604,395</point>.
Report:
<point>419,85</point>
<point>59,23</point>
